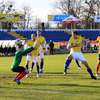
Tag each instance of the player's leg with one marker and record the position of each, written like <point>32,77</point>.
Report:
<point>27,64</point>
<point>33,63</point>
<point>78,65</point>
<point>32,66</point>
<point>89,70</point>
<point>36,61</point>
<point>67,63</point>
<point>83,60</point>
<point>98,67</point>
<point>28,58</point>
<point>41,62</point>
<point>21,73</point>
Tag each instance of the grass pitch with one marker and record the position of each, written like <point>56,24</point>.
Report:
<point>52,85</point>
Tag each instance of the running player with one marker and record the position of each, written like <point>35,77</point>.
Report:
<point>41,40</point>
<point>75,45</point>
<point>34,54</point>
<point>77,62</point>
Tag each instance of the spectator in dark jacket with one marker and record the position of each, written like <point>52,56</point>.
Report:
<point>51,45</point>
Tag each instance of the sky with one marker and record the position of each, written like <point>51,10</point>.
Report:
<point>40,8</point>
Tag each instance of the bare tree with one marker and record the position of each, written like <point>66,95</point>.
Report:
<point>98,6</point>
<point>27,16</point>
<point>69,7</point>
<point>90,9</point>
<point>6,7</point>
<point>86,9</point>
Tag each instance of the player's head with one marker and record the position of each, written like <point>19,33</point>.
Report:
<point>18,43</point>
<point>33,36</point>
<point>75,34</point>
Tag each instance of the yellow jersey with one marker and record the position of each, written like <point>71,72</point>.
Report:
<point>98,41</point>
<point>40,40</point>
<point>42,43</point>
<point>30,43</point>
<point>76,43</point>
<point>35,52</point>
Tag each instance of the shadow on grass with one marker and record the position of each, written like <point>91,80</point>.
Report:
<point>66,85</point>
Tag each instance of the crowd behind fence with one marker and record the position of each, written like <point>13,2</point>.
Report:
<point>61,49</point>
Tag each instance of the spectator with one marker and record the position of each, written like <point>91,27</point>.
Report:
<point>51,45</point>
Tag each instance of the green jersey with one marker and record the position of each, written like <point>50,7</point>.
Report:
<point>18,56</point>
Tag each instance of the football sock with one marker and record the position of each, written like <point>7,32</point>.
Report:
<point>90,72</point>
<point>37,68</point>
<point>77,63</point>
<point>97,68</point>
<point>16,78</point>
<point>66,64</point>
<point>22,75</point>
<point>41,64</point>
<point>27,66</point>
<point>32,65</point>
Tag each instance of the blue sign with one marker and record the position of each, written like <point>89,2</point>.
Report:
<point>57,18</point>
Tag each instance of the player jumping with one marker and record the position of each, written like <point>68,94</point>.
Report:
<point>15,67</point>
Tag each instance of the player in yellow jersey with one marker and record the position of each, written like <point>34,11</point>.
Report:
<point>42,49</point>
<point>75,45</point>
<point>98,64</point>
<point>33,55</point>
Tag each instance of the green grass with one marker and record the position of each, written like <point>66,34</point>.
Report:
<point>52,85</point>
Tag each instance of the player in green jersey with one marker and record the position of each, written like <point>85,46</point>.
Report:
<point>15,67</point>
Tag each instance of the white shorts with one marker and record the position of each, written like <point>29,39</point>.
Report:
<point>35,60</point>
<point>41,55</point>
<point>78,56</point>
<point>41,52</point>
<point>28,58</point>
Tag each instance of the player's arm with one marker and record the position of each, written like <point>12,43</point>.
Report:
<point>72,44</point>
<point>97,41</point>
<point>68,31</point>
<point>28,50</point>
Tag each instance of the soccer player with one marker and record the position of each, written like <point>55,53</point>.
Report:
<point>75,45</point>
<point>15,67</point>
<point>34,54</point>
<point>29,55</point>
<point>98,64</point>
<point>41,40</point>
<point>77,62</point>
<point>27,44</point>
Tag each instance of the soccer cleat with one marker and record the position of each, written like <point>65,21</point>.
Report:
<point>18,82</point>
<point>79,68</point>
<point>30,71</point>
<point>37,75</point>
<point>65,73</point>
<point>93,77</point>
<point>41,71</point>
<point>97,76</point>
